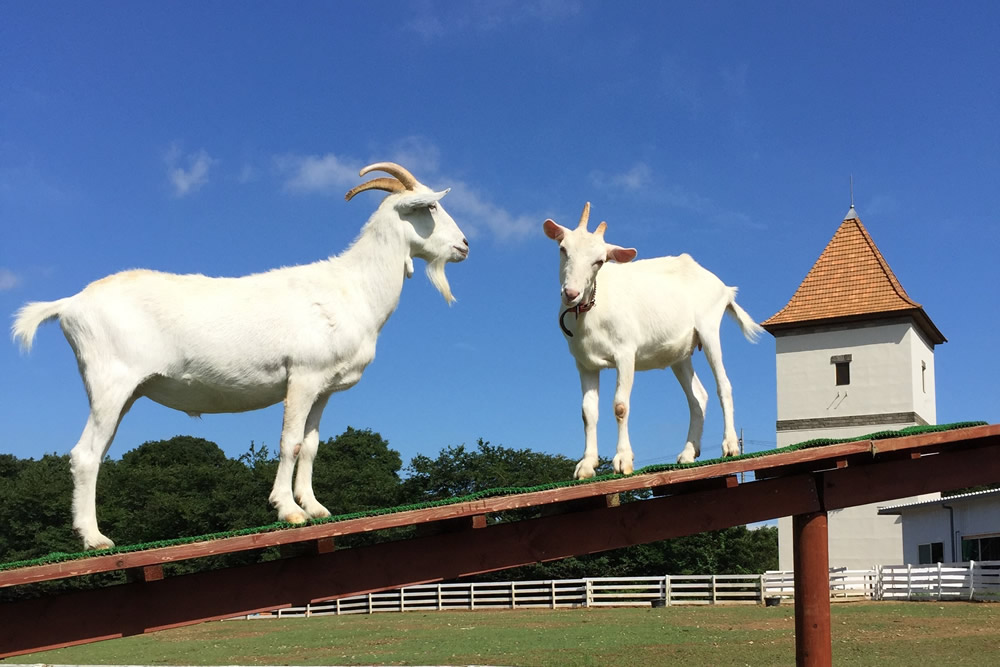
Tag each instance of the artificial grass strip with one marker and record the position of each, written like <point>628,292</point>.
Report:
<point>479,495</point>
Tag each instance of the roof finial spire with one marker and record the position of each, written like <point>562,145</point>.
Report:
<point>852,214</point>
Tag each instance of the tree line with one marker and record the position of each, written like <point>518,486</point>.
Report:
<point>187,486</point>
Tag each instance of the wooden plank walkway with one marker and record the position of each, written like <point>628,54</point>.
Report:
<point>671,481</point>
<point>456,541</point>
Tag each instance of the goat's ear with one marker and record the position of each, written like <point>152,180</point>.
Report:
<point>553,230</point>
<point>410,202</point>
<point>621,255</point>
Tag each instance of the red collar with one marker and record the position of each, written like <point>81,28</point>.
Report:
<point>577,309</point>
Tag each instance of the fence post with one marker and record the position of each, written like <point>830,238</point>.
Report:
<point>337,607</point>
<point>972,578</point>
<point>402,599</point>
<point>552,592</point>
<point>669,589</point>
<point>712,599</point>
<point>909,580</point>
<point>760,590</point>
<point>513,595</point>
<point>369,603</point>
<point>940,581</point>
<point>588,593</point>
<point>472,596</point>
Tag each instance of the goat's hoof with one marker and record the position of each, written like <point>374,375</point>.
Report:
<point>96,543</point>
<point>584,470</point>
<point>621,465</point>
<point>296,517</point>
<point>318,512</point>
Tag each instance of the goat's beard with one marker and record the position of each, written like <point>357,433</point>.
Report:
<point>435,273</point>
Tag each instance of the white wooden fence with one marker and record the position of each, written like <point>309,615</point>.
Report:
<point>551,594</point>
<point>975,580</point>
<point>959,581</point>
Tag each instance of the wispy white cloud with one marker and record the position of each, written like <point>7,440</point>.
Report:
<point>417,154</point>
<point>706,208</point>
<point>476,214</point>
<point>326,174</point>
<point>474,210</point>
<point>679,84</point>
<point>248,173</point>
<point>881,206</point>
<point>487,15</point>
<point>187,173</point>
<point>631,180</point>
<point>8,279</point>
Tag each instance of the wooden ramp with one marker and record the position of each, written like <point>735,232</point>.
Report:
<point>457,540</point>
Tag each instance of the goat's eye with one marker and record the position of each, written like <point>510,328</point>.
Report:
<point>599,263</point>
<point>562,251</point>
<point>432,207</point>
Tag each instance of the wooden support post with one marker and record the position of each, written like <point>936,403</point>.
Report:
<point>146,573</point>
<point>810,542</point>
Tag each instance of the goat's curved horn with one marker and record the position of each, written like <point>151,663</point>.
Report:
<point>400,172</point>
<point>585,216</point>
<point>387,184</point>
<point>600,229</point>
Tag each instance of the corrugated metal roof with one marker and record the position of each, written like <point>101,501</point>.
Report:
<point>947,499</point>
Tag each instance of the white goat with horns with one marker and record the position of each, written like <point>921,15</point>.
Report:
<point>650,314</point>
<point>211,345</point>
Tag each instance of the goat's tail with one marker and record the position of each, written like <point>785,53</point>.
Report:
<point>751,329</point>
<point>30,317</point>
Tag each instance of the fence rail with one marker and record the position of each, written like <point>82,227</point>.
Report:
<point>958,581</point>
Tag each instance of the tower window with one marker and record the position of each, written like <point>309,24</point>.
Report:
<point>923,376</point>
<point>842,366</point>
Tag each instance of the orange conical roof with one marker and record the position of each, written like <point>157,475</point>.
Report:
<point>850,281</point>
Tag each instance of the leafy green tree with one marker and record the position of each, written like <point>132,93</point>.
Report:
<point>357,471</point>
<point>183,486</point>
<point>458,471</point>
<point>35,507</point>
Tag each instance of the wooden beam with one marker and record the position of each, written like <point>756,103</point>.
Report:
<point>786,463</point>
<point>949,460</point>
<point>132,609</point>
<point>945,471</point>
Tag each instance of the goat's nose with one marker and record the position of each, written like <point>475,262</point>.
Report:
<point>571,294</point>
<point>465,241</point>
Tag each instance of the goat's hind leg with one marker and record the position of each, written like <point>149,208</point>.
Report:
<point>697,399</point>
<point>304,466</point>
<point>713,353</point>
<point>109,401</point>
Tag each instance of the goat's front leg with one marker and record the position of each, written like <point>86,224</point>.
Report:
<point>300,397</point>
<point>304,467</point>
<point>623,391</point>
<point>590,385</point>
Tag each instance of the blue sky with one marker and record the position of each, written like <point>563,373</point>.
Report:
<point>219,138</point>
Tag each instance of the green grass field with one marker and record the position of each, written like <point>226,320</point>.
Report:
<point>864,633</point>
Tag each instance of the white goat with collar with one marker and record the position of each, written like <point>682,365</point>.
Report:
<point>649,314</point>
<point>211,345</point>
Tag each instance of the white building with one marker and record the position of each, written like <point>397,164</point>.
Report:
<point>855,355</point>
<point>951,529</point>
